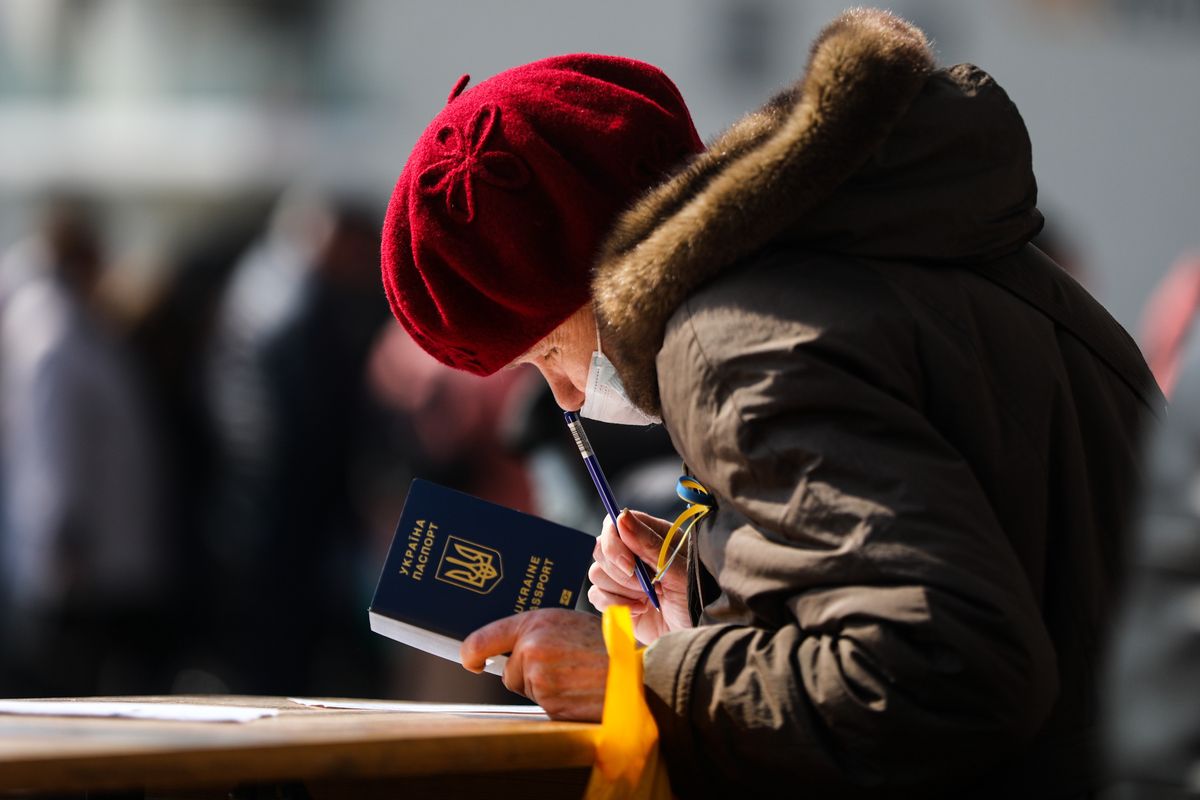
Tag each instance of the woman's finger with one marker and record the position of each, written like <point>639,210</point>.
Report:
<point>622,584</point>
<point>638,537</point>
<point>614,550</point>
<point>619,574</point>
<point>602,600</point>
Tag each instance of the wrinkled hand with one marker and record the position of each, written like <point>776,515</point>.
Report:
<point>557,659</point>
<point>613,581</point>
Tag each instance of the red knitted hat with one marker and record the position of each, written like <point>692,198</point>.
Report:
<point>494,222</point>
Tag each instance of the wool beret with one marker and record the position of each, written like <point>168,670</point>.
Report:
<point>495,220</point>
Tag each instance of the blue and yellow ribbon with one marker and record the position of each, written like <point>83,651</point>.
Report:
<point>700,504</point>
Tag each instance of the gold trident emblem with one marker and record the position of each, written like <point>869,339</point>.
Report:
<point>469,565</point>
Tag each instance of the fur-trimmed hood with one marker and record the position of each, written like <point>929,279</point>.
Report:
<point>872,153</point>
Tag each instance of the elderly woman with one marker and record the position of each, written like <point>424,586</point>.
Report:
<point>919,433</point>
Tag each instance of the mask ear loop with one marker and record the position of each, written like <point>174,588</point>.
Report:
<point>598,350</point>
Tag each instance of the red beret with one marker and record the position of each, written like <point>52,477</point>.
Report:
<point>494,222</point>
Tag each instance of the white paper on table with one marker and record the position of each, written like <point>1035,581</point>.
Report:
<point>171,712</point>
<point>462,709</point>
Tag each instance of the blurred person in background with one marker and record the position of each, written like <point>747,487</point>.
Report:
<point>456,419</point>
<point>451,425</point>
<point>293,419</point>
<point>171,339</point>
<point>1168,321</point>
<point>917,433</point>
<point>82,557</point>
<point>1153,725</point>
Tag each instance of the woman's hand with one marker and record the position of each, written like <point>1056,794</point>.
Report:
<point>613,582</point>
<point>557,659</point>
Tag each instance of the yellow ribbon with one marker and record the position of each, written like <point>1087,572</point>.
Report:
<point>628,766</point>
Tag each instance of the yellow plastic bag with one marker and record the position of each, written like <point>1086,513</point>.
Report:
<point>628,766</point>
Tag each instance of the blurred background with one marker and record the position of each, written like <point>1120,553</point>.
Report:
<point>207,420</point>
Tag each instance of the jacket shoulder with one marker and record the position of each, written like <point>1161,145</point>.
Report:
<point>789,302</point>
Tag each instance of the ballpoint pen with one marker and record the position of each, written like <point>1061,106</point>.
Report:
<point>606,497</point>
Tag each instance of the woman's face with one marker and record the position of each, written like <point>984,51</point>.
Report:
<point>563,357</point>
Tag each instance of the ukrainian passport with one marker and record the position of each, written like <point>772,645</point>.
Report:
<point>457,563</point>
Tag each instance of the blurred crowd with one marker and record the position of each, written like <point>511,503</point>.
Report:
<point>197,496</point>
<point>197,491</point>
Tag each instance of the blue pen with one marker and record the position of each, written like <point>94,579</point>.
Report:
<point>606,497</point>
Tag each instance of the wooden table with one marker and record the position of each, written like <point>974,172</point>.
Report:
<point>304,752</point>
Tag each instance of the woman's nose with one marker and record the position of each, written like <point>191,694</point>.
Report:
<point>568,397</point>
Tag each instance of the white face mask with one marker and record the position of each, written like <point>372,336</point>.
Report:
<point>604,396</point>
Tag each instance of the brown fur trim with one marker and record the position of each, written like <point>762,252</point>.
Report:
<point>753,183</point>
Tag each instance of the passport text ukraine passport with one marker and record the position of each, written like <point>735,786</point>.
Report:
<point>458,562</point>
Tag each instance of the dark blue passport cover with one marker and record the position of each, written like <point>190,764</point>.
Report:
<point>457,563</point>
